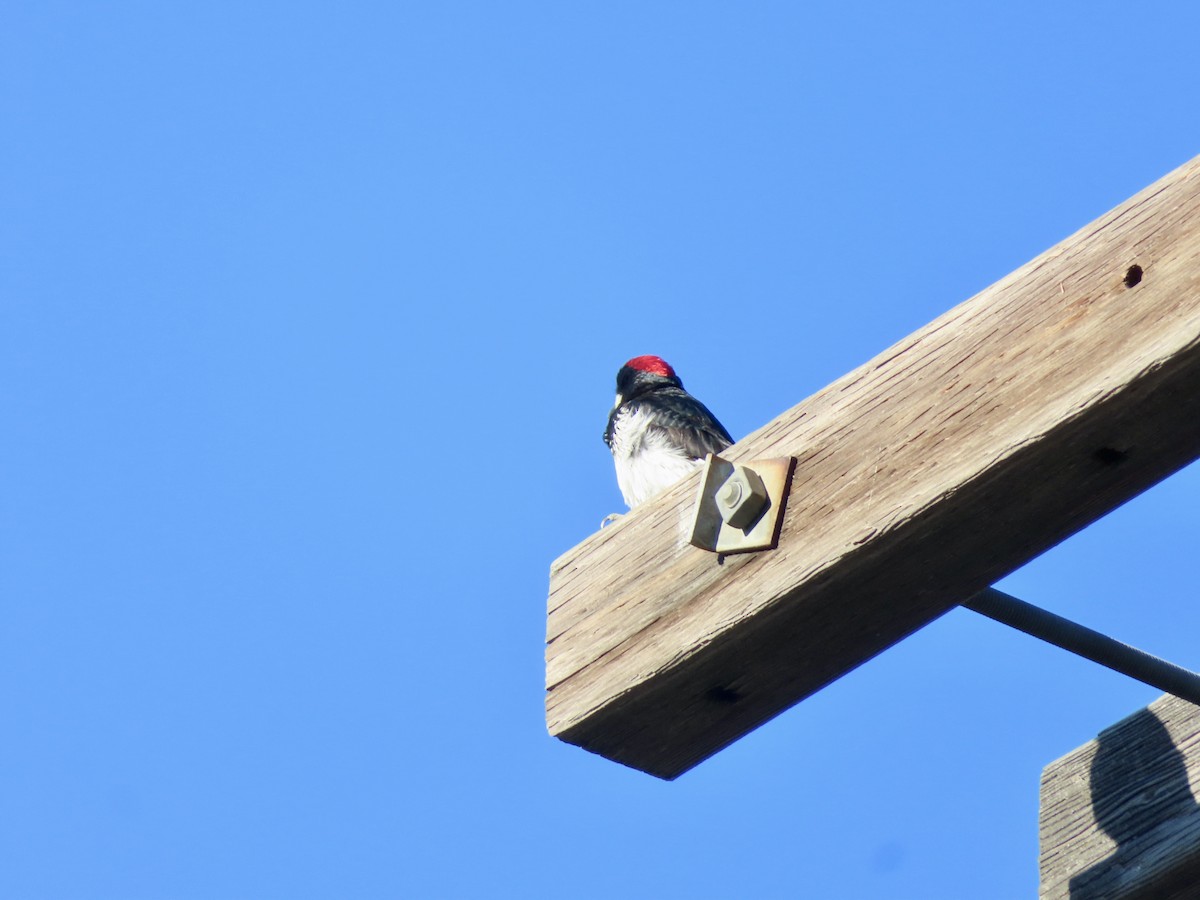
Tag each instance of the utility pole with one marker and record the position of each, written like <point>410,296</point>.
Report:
<point>1119,817</point>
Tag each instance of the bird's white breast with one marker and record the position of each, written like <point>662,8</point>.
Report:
<point>646,460</point>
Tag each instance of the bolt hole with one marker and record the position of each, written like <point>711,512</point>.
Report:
<point>1111,456</point>
<point>723,695</point>
<point>1133,276</point>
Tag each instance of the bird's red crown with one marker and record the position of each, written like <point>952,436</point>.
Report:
<point>655,365</point>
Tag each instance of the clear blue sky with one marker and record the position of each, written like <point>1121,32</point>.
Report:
<point>309,317</point>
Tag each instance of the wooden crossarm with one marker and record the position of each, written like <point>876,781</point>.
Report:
<point>923,476</point>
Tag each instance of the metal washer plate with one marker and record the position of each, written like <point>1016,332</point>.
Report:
<point>711,532</point>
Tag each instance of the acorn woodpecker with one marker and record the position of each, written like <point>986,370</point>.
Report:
<point>657,431</point>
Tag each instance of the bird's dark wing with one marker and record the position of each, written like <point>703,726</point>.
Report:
<point>685,420</point>
<point>612,424</point>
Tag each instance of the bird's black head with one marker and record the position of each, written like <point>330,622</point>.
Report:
<point>644,373</point>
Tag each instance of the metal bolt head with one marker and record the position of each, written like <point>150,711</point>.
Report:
<point>742,497</point>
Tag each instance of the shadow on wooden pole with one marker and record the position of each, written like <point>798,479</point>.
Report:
<point>1119,818</point>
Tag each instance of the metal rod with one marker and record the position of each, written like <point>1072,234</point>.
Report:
<point>1089,644</point>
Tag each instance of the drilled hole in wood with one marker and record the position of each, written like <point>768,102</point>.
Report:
<point>1110,456</point>
<point>1133,276</point>
<point>723,695</point>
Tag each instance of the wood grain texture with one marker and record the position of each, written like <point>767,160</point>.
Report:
<point>1119,818</point>
<point>952,458</point>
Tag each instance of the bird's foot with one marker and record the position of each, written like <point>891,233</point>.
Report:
<point>609,519</point>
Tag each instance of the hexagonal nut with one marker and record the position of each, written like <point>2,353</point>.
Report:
<point>742,497</point>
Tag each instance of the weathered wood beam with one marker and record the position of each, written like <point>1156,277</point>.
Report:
<point>949,460</point>
<point>1119,817</point>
